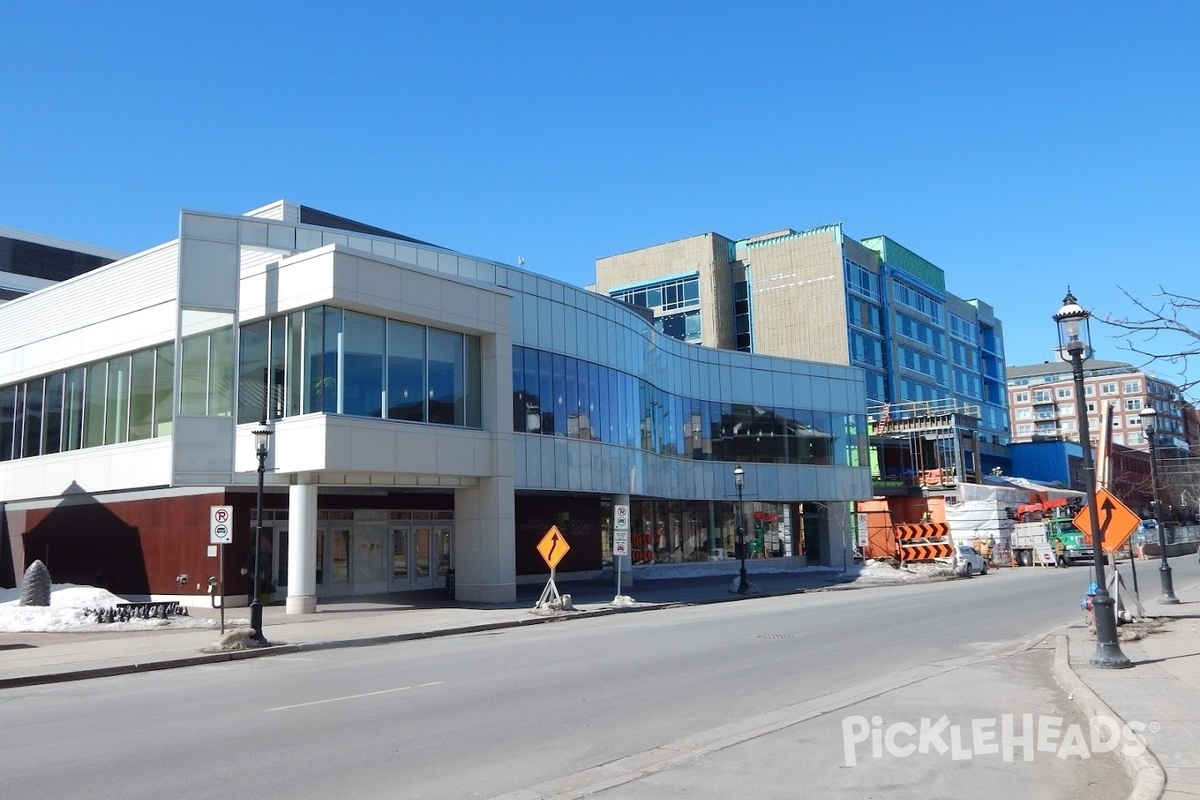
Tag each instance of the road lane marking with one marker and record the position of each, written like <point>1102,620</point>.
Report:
<point>353,696</point>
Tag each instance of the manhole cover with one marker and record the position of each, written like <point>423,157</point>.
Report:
<point>775,635</point>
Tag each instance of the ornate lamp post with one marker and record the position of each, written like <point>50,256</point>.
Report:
<point>739,480</point>
<point>1075,345</point>
<point>262,446</point>
<point>1149,416</point>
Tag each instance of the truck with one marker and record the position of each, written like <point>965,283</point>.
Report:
<point>1027,535</point>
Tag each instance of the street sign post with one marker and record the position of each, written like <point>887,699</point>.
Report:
<point>220,533</point>
<point>1117,522</point>
<point>552,547</point>
<point>620,539</point>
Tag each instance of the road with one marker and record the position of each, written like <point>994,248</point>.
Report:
<point>750,693</point>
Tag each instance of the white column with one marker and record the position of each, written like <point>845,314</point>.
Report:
<point>302,548</point>
<point>485,569</point>
<point>626,563</point>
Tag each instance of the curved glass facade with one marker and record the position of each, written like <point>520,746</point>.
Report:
<point>557,395</point>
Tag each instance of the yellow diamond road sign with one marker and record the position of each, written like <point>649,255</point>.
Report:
<point>1116,521</point>
<point>553,547</point>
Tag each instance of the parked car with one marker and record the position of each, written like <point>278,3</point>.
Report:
<point>968,561</point>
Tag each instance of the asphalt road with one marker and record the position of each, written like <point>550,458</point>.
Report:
<point>488,714</point>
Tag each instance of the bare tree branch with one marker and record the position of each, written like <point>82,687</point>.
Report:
<point>1160,331</point>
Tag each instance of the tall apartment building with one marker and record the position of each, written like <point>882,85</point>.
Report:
<point>1042,401</point>
<point>821,295</point>
<point>30,261</point>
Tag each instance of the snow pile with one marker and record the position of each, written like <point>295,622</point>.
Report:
<point>882,571</point>
<point>67,612</point>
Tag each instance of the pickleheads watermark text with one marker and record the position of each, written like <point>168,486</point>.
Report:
<point>1002,736</point>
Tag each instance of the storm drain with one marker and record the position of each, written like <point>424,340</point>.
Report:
<point>776,635</point>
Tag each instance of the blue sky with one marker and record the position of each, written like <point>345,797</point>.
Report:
<point>1020,146</point>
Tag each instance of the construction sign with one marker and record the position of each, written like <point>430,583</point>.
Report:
<point>924,541</point>
<point>1116,521</point>
<point>553,547</point>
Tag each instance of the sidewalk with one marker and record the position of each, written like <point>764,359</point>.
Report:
<point>28,659</point>
<point>1161,691</point>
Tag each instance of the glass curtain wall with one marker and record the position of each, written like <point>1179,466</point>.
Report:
<point>335,361</point>
<point>556,395</point>
<point>126,398</point>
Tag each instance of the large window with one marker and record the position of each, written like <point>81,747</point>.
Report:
<point>126,398</point>
<point>598,403</point>
<point>335,361</point>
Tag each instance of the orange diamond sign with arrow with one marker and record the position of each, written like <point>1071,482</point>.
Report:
<point>1116,521</point>
<point>553,547</point>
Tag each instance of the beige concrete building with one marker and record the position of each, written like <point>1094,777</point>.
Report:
<point>821,295</point>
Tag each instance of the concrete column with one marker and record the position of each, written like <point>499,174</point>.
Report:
<point>302,548</point>
<point>835,534</point>
<point>626,563</point>
<point>485,544</point>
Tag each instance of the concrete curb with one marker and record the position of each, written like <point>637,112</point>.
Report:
<point>1144,770</point>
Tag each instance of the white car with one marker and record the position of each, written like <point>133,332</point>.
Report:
<point>967,561</point>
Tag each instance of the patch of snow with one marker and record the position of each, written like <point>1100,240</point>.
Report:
<point>67,612</point>
<point>882,571</point>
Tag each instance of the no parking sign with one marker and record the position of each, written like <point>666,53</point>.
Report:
<point>220,519</point>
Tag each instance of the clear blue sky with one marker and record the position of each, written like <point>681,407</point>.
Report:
<point>1021,146</point>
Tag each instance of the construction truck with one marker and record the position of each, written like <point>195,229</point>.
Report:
<point>1027,536</point>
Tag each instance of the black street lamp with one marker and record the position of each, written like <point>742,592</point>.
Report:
<point>262,446</point>
<point>1075,345</point>
<point>1149,415</point>
<point>739,480</point>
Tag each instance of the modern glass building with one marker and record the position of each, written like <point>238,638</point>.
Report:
<point>821,295</point>
<point>433,414</point>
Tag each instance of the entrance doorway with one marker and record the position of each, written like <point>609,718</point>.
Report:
<point>374,557</point>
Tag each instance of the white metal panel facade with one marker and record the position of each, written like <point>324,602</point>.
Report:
<point>117,308</point>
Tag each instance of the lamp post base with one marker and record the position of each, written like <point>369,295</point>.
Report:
<point>1168,587</point>
<point>1108,655</point>
<point>743,583</point>
<point>256,618</point>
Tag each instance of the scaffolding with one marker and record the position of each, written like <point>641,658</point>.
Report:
<point>924,444</point>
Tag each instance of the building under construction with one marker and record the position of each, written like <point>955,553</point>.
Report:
<point>920,453</point>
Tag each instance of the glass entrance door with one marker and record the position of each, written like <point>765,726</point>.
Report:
<point>443,544</point>
<point>370,561</point>
<point>337,555</point>
<point>401,568</point>
<point>422,552</point>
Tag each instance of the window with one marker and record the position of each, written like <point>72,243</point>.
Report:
<point>1041,397</point>
<point>1025,429</point>
<point>1067,408</point>
<point>1133,403</point>
<point>1091,408</point>
<point>1089,390</point>
<point>1134,438</point>
<point>1108,388</point>
<point>1065,393</point>
<point>1116,422</point>
<point>1021,397</point>
<point>1133,421</point>
<point>1067,425</point>
<point>1131,387</point>
<point>1024,413</point>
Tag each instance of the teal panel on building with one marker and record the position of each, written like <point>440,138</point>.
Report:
<point>901,257</point>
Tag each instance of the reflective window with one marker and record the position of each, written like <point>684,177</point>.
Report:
<point>362,365</point>
<point>406,371</point>
<point>447,393</point>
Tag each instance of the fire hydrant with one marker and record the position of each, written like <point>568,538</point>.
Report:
<point>1090,607</point>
